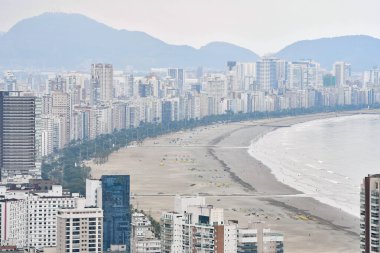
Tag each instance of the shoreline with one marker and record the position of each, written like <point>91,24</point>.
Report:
<point>279,173</point>
<point>214,161</point>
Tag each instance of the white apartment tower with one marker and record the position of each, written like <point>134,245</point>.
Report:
<point>102,83</point>
<point>266,74</point>
<point>342,72</point>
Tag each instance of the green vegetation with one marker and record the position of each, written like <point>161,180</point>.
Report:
<point>67,165</point>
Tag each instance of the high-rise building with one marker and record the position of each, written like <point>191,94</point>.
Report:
<point>79,229</point>
<point>19,136</point>
<point>10,81</point>
<point>342,72</point>
<point>266,72</point>
<point>369,214</point>
<point>179,78</point>
<point>303,74</point>
<point>61,109</point>
<point>102,83</point>
<point>117,213</point>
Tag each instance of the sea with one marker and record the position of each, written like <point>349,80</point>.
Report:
<point>325,159</point>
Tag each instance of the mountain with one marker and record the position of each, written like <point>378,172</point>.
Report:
<point>363,52</point>
<point>73,41</point>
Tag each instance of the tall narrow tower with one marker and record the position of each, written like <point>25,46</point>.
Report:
<point>102,83</point>
<point>19,136</point>
<point>116,211</point>
<point>369,214</point>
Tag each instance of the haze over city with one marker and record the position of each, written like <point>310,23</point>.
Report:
<point>163,126</point>
<point>261,26</point>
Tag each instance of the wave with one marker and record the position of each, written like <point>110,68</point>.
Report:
<point>325,159</point>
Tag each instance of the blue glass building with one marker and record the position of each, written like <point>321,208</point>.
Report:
<point>116,211</point>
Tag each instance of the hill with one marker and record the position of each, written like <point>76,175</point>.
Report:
<point>363,52</point>
<point>73,41</point>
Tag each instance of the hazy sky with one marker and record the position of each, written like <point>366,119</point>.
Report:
<point>263,26</point>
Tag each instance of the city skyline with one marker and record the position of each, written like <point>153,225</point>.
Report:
<point>282,20</point>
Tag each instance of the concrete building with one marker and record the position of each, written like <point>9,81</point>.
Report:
<point>13,216</point>
<point>369,214</point>
<point>93,193</point>
<point>29,213</point>
<point>143,238</point>
<point>266,74</point>
<point>178,75</point>
<point>342,72</point>
<point>79,229</point>
<point>171,232</point>
<point>257,238</point>
<point>61,109</point>
<point>199,228</point>
<point>19,136</point>
<point>102,83</point>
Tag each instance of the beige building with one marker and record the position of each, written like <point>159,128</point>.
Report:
<point>80,229</point>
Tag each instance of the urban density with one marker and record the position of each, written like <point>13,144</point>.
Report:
<point>53,110</point>
<point>42,113</point>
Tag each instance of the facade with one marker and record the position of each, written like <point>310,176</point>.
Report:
<point>199,228</point>
<point>19,136</point>
<point>117,213</point>
<point>342,72</point>
<point>79,229</point>
<point>171,232</point>
<point>266,71</point>
<point>178,75</point>
<point>369,214</point>
<point>61,110</point>
<point>257,238</point>
<point>102,83</point>
<point>28,217</point>
<point>13,217</point>
<point>143,238</point>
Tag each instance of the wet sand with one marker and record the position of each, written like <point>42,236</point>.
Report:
<point>213,161</point>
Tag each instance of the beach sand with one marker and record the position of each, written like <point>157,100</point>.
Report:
<point>213,161</point>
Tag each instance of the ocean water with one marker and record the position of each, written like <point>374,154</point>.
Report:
<point>325,159</point>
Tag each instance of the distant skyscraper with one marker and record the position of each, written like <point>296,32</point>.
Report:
<point>19,135</point>
<point>10,81</point>
<point>102,83</point>
<point>342,72</point>
<point>116,210</point>
<point>303,74</point>
<point>266,71</point>
<point>369,214</point>
<point>179,76</point>
<point>61,109</point>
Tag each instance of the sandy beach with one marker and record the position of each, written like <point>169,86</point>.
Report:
<point>213,161</point>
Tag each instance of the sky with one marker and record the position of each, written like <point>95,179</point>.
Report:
<point>264,26</point>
